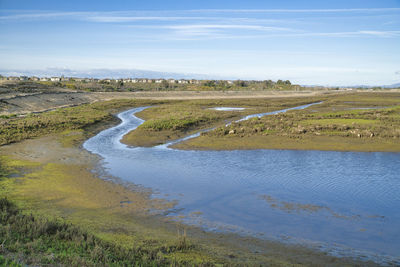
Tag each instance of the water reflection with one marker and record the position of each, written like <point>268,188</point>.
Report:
<point>337,199</point>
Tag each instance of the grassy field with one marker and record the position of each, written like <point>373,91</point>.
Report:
<point>350,122</point>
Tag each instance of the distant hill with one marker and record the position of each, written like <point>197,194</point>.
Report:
<point>396,85</point>
<point>106,73</point>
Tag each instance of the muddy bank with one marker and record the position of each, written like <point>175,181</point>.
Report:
<point>323,143</point>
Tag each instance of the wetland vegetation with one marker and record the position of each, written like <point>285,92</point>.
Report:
<point>127,85</point>
<point>54,212</point>
<point>349,122</point>
<point>178,119</point>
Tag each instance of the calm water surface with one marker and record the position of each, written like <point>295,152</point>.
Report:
<point>345,202</point>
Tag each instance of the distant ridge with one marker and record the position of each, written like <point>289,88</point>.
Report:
<point>396,85</point>
<point>106,73</point>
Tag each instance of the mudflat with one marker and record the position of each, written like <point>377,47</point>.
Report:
<point>57,181</point>
<point>53,177</point>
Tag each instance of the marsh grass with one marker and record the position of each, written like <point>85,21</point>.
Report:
<point>175,120</point>
<point>15,129</point>
<point>33,240</point>
<point>317,127</point>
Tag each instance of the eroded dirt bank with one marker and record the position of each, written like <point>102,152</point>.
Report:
<point>22,103</point>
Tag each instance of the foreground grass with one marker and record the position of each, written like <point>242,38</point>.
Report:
<point>36,240</point>
<point>62,206</point>
<point>66,217</point>
<point>353,122</point>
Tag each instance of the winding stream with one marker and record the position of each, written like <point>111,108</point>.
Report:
<point>346,203</point>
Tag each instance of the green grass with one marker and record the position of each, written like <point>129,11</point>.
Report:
<point>174,120</point>
<point>312,127</point>
<point>325,122</point>
<point>8,263</point>
<point>113,86</point>
<point>40,241</point>
<point>15,129</point>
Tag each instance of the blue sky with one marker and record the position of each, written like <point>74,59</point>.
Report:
<point>308,42</point>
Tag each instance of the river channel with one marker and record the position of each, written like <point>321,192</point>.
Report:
<point>346,203</point>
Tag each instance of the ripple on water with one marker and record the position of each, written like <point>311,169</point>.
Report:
<point>359,191</point>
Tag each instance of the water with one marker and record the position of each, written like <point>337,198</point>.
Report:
<point>344,202</point>
<point>228,109</point>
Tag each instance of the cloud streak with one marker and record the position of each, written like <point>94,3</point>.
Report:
<point>119,19</point>
<point>347,10</point>
<point>132,15</point>
<point>225,26</point>
<point>365,33</point>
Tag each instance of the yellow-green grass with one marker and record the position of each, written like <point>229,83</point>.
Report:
<point>71,193</point>
<point>75,194</point>
<point>15,129</point>
<point>328,143</point>
<point>332,125</point>
<point>175,120</point>
<point>325,122</point>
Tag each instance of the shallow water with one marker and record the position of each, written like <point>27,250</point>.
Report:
<point>227,109</point>
<point>343,202</point>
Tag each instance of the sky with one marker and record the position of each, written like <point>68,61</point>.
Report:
<point>342,42</point>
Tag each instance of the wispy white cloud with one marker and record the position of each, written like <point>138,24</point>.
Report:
<point>45,15</point>
<point>366,33</point>
<point>218,31</point>
<point>140,18</point>
<point>132,15</point>
<point>225,26</point>
<point>344,10</point>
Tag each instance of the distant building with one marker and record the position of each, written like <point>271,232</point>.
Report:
<point>55,79</point>
<point>192,81</point>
